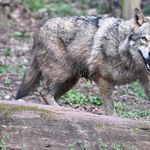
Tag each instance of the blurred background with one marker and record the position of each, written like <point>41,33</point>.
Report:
<point>21,19</point>
<point>19,22</point>
<point>28,15</point>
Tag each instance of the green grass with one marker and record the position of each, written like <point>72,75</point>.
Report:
<point>80,2</point>
<point>146,10</point>
<point>123,110</point>
<point>61,9</point>
<point>101,146</point>
<point>18,33</point>
<point>8,82</point>
<point>85,2</point>
<point>3,143</point>
<point>137,113</point>
<point>35,4</point>
<point>95,100</point>
<point>84,13</point>
<point>79,98</point>
<point>118,104</point>
<point>3,68</point>
<point>122,92</point>
<point>100,9</point>
<point>126,111</point>
<point>15,67</point>
<point>74,98</point>
<point>138,89</point>
<point>7,53</point>
<point>88,84</point>
<point>80,143</point>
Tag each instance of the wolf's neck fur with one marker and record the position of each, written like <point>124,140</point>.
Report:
<point>112,41</point>
<point>112,37</point>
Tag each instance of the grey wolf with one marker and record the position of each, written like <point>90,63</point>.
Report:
<point>107,51</point>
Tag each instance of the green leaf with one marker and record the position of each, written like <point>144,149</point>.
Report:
<point>74,98</point>
<point>3,142</point>
<point>95,100</point>
<point>23,32</point>
<point>6,136</point>
<point>70,145</point>
<point>85,146</point>
<point>79,142</point>
<point>17,33</point>
<point>2,69</point>
<point>8,52</point>
<point>118,105</point>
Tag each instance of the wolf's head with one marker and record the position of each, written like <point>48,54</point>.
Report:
<point>141,36</point>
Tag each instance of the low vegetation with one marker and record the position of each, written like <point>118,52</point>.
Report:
<point>3,144</point>
<point>79,99</point>
<point>123,110</point>
<point>146,10</point>
<point>101,146</point>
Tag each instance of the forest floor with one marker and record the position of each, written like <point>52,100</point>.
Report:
<point>16,41</point>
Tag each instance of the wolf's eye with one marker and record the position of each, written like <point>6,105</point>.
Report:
<point>144,39</point>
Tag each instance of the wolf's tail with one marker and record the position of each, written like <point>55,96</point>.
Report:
<point>30,80</point>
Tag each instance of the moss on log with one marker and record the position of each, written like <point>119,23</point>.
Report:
<point>53,128</point>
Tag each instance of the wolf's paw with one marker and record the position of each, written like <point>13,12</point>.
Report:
<point>114,114</point>
<point>111,114</point>
<point>55,104</point>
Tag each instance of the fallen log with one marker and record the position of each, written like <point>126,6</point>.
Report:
<point>43,127</point>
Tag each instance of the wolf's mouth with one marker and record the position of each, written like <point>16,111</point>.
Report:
<point>147,62</point>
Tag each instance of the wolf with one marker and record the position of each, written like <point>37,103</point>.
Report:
<point>108,51</point>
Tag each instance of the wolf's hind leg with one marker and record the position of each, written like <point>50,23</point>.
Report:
<point>64,87</point>
<point>56,90</point>
<point>106,91</point>
<point>47,95</point>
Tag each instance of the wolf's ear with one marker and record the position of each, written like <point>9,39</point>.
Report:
<point>138,19</point>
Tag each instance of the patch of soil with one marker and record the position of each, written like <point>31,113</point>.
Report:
<point>9,89</point>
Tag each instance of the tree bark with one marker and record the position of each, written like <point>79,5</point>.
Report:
<point>46,127</point>
<point>128,6</point>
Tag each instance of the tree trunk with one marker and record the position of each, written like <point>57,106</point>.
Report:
<point>46,127</point>
<point>128,6</point>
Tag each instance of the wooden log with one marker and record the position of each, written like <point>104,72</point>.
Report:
<point>46,127</point>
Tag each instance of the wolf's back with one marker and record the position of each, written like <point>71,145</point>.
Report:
<point>50,48</point>
<point>30,80</point>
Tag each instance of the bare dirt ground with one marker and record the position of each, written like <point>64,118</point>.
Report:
<point>16,40</point>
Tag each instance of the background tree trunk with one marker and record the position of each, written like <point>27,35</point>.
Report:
<point>53,128</point>
<point>128,6</point>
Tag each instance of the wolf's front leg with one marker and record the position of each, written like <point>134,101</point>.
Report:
<point>106,91</point>
<point>47,96</point>
<point>145,82</point>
